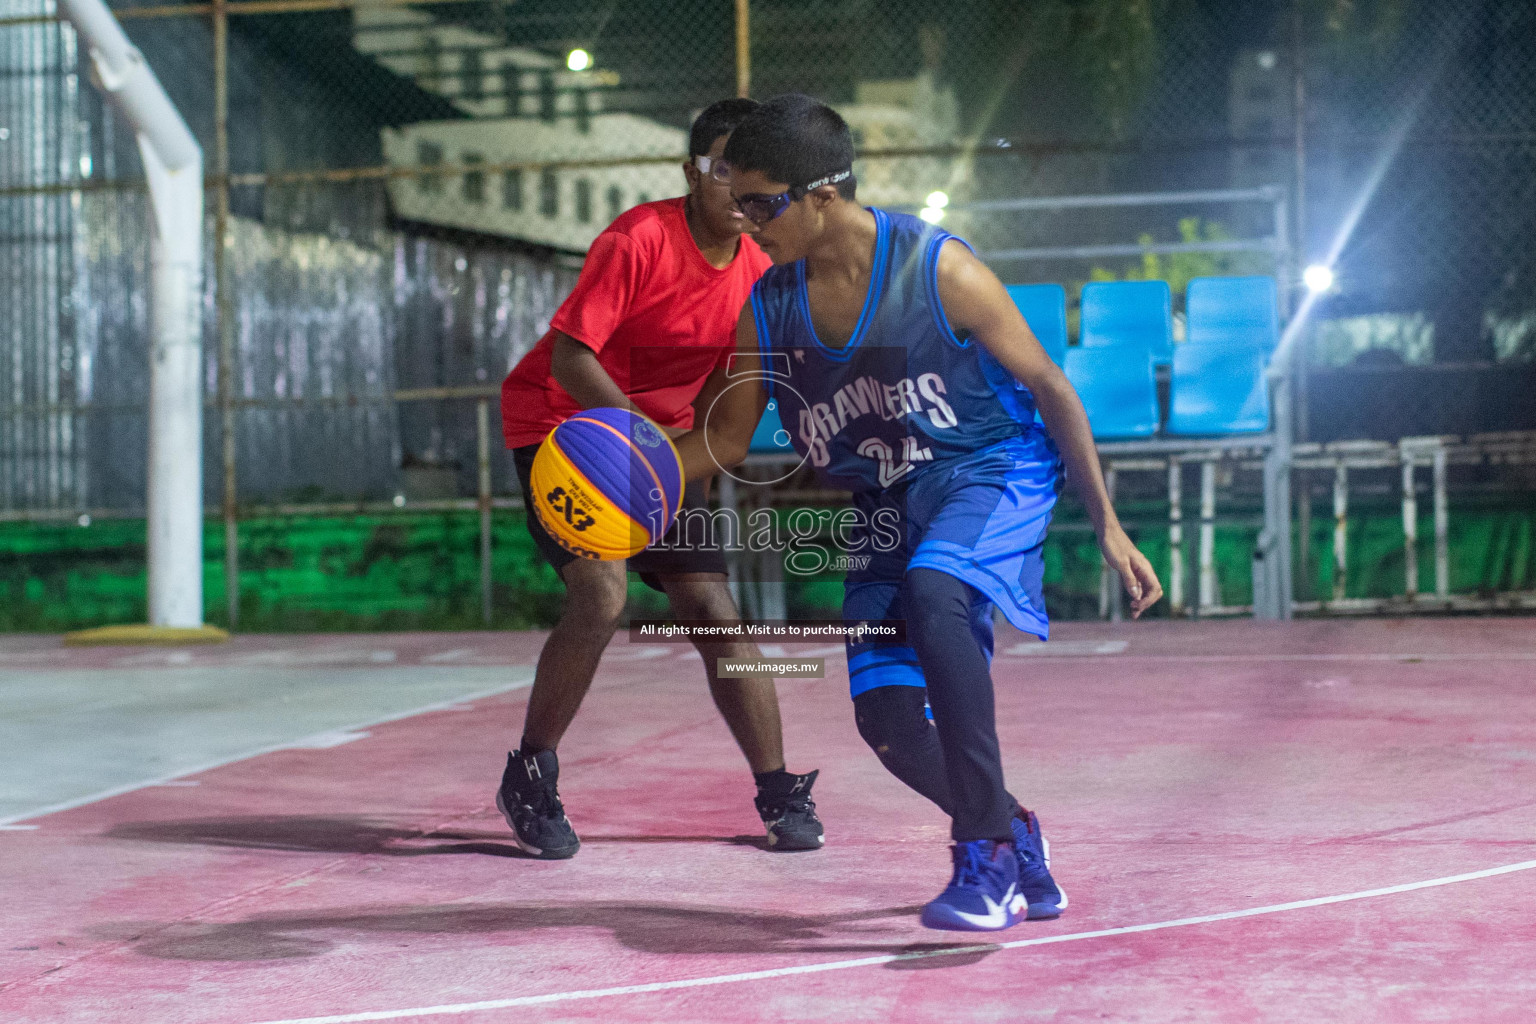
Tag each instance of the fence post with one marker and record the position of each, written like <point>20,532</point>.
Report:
<point>1272,558</point>
<point>1340,526</point>
<point>224,322</point>
<point>743,48</point>
<point>1410,529</point>
<point>1442,529</point>
<point>483,446</point>
<point>1304,538</point>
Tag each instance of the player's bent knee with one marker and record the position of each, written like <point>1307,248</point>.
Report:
<point>891,716</point>
<point>704,597</point>
<point>595,593</point>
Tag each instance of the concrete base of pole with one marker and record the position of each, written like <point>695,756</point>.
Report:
<point>142,633</point>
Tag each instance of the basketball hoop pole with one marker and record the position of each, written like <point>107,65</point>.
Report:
<point>173,163</point>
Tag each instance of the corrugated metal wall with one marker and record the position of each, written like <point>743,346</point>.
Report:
<point>325,332</point>
<point>325,329</point>
<point>40,374</point>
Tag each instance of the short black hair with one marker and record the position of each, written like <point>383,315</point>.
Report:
<point>717,119</point>
<point>794,139</point>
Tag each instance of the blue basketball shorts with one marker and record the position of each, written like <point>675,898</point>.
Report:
<point>981,518</point>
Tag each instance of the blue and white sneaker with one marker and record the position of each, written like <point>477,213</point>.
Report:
<point>984,894</point>
<point>1044,897</point>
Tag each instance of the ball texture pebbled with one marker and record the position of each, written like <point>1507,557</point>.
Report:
<point>606,483</point>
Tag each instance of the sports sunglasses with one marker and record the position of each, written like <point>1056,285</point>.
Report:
<point>762,207</point>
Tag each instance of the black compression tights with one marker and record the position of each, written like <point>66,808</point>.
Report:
<point>955,761</point>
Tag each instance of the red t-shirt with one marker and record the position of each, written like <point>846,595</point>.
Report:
<point>659,317</point>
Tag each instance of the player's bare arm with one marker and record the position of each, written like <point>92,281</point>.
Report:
<point>977,304</point>
<point>722,431</point>
<point>576,369</point>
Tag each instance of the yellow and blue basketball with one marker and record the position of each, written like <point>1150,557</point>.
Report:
<point>606,483</point>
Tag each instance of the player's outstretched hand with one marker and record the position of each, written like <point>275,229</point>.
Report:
<point>1135,571</point>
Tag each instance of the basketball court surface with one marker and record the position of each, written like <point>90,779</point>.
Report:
<point>1311,821</point>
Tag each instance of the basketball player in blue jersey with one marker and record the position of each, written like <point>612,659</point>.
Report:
<point>905,374</point>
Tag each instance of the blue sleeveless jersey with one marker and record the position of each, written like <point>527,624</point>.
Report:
<point>904,394</point>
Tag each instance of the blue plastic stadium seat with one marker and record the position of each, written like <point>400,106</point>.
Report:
<point>1118,389</point>
<point>770,435</point>
<point>1120,313</point>
<point>1219,389</point>
<point>1045,310</point>
<point>1233,310</point>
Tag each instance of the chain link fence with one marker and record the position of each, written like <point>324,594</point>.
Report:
<point>400,194</point>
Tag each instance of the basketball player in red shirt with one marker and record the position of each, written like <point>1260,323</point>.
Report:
<point>652,315</point>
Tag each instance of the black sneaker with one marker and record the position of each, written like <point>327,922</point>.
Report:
<point>789,813</point>
<point>527,799</point>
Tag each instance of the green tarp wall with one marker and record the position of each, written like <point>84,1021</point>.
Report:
<point>422,571</point>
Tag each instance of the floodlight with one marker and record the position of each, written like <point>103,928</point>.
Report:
<point>1318,278</point>
<point>578,60</point>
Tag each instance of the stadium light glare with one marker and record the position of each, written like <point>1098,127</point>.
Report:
<point>1318,278</point>
<point>938,200</point>
<point>578,60</point>
<point>931,214</point>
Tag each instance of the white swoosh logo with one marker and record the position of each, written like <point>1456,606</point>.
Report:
<point>996,916</point>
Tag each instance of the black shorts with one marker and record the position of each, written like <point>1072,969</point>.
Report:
<point>652,563</point>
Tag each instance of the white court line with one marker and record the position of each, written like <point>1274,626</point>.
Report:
<point>1067,648</point>
<point>315,741</point>
<point>873,961</point>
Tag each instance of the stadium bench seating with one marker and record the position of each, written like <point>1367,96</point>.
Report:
<point>1217,384</point>
<point>1129,313</point>
<point>1233,311</point>
<point>1118,388</point>
<point>1218,389</point>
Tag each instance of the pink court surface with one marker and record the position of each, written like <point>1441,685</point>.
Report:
<point>1315,821</point>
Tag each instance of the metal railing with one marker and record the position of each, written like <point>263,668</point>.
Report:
<point>1340,459</point>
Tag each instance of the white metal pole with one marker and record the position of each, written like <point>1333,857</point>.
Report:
<point>1175,536</point>
<point>1206,596</point>
<point>173,163</point>
<point>1275,537</point>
